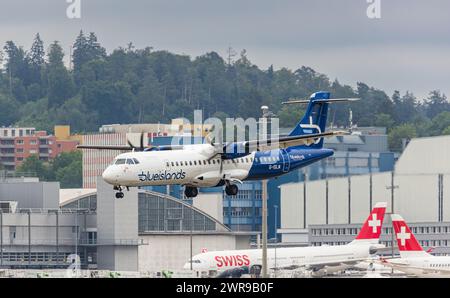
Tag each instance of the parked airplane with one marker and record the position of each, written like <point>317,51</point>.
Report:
<point>217,163</point>
<point>318,259</point>
<point>413,259</point>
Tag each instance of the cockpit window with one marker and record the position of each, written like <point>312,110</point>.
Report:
<point>120,161</point>
<point>136,161</point>
<point>130,162</point>
<point>195,261</point>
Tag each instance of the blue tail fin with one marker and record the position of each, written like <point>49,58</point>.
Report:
<point>315,117</point>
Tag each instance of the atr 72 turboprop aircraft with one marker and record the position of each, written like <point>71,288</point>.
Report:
<point>314,258</point>
<point>217,164</point>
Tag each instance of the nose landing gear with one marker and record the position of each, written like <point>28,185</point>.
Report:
<point>119,194</point>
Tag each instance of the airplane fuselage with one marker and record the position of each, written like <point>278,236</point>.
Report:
<point>431,266</point>
<point>314,258</point>
<point>192,166</point>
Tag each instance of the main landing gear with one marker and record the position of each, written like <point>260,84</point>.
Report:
<point>190,191</point>
<point>231,189</point>
<point>119,194</point>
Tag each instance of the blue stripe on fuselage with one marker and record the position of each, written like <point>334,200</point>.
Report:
<point>286,160</point>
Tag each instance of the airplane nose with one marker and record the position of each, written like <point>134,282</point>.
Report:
<point>109,176</point>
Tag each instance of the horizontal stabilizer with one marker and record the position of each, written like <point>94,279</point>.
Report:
<point>331,100</point>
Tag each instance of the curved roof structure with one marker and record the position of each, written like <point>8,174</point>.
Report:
<point>177,216</point>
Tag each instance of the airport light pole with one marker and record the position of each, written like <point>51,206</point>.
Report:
<point>1,237</point>
<point>190,240</point>
<point>264,229</point>
<point>266,114</point>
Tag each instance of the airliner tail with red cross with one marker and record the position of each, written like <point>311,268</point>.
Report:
<point>407,242</point>
<point>371,229</point>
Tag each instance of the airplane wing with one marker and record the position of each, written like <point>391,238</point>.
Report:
<point>106,147</point>
<point>289,141</point>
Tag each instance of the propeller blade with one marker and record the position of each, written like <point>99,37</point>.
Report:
<point>130,144</point>
<point>142,141</point>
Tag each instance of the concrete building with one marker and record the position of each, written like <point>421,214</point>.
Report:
<point>156,233</point>
<point>418,189</point>
<point>41,226</point>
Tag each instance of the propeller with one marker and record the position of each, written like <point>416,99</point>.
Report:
<point>141,143</point>
<point>219,148</point>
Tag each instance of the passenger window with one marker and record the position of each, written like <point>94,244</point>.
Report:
<point>190,163</point>
<point>167,164</point>
<point>172,163</point>
<point>195,163</point>
<point>130,162</point>
<point>209,162</point>
<point>176,163</point>
<point>204,162</point>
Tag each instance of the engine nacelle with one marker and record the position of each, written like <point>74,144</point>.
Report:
<point>236,150</point>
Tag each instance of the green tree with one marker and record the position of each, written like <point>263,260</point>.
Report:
<point>67,168</point>
<point>60,86</point>
<point>36,58</point>
<point>384,120</point>
<point>399,134</point>
<point>32,164</point>
<point>439,123</point>
<point>436,103</point>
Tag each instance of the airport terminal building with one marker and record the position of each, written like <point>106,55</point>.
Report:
<point>330,211</point>
<point>41,226</point>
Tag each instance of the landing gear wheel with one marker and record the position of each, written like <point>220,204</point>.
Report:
<point>119,195</point>
<point>190,192</point>
<point>231,190</point>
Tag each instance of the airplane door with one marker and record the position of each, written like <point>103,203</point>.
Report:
<point>286,160</point>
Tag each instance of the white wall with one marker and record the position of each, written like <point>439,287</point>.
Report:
<point>291,202</point>
<point>171,252</point>
<point>415,197</point>
<point>315,203</point>
<point>211,204</point>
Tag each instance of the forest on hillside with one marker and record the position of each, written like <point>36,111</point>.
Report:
<point>131,85</point>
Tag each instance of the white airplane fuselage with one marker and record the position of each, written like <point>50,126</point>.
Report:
<point>427,266</point>
<point>331,258</point>
<point>192,166</point>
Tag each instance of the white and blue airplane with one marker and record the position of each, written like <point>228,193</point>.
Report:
<point>217,164</point>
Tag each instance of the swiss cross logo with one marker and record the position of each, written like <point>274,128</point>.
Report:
<point>403,236</point>
<point>374,223</point>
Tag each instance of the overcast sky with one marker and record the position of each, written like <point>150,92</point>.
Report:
<point>408,48</point>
